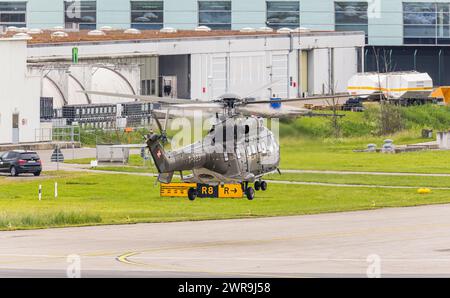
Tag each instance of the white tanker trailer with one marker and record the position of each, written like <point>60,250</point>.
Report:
<point>399,87</point>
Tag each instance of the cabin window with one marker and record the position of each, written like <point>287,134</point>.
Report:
<point>247,133</point>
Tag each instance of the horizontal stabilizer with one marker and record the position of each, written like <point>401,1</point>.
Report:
<point>165,177</point>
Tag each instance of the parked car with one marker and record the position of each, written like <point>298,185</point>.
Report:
<point>20,162</point>
<point>354,105</point>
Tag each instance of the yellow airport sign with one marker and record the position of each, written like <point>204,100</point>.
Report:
<point>231,191</point>
<point>177,190</point>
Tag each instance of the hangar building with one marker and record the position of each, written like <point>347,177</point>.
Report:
<point>198,65</point>
<point>19,94</point>
<point>204,65</point>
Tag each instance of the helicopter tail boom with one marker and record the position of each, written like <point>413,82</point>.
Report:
<point>159,155</point>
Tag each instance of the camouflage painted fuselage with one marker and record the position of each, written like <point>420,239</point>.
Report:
<point>234,151</point>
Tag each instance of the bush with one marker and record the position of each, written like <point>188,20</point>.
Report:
<point>374,121</point>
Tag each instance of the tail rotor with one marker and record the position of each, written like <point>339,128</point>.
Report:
<point>162,129</point>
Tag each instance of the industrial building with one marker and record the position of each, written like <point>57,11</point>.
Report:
<point>19,94</point>
<point>199,65</point>
<point>400,31</point>
<point>205,65</point>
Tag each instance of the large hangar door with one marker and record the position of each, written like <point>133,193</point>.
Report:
<point>247,73</point>
<point>178,69</point>
<point>219,76</point>
<point>279,74</point>
<point>345,66</point>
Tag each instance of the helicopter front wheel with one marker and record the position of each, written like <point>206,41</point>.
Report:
<point>250,192</point>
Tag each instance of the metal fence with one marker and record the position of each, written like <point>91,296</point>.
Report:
<point>69,133</point>
<point>43,135</point>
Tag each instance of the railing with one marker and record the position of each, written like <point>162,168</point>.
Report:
<point>43,135</point>
<point>67,133</point>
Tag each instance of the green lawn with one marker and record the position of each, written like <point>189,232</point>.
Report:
<point>90,199</point>
<point>382,180</point>
<point>338,155</point>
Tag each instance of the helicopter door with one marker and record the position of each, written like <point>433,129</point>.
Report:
<point>241,153</point>
<point>259,145</point>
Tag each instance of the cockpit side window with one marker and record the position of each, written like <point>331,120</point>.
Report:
<point>247,133</point>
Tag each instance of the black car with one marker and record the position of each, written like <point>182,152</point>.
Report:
<point>353,104</point>
<point>20,162</point>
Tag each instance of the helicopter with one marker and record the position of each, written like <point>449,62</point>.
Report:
<point>238,148</point>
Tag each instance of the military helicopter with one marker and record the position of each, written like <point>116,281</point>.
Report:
<point>239,148</point>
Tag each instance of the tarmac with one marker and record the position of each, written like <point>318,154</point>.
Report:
<point>402,242</point>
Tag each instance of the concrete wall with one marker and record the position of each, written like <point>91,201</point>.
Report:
<point>19,92</point>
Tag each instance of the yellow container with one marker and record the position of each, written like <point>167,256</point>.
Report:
<point>424,191</point>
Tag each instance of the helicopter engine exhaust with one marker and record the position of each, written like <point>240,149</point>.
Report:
<point>175,161</point>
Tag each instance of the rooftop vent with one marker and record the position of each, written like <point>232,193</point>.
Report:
<point>11,29</point>
<point>59,34</point>
<point>132,31</point>
<point>168,30</point>
<point>22,35</point>
<point>265,29</point>
<point>248,30</point>
<point>285,30</point>
<point>107,28</point>
<point>96,33</point>
<point>58,28</point>
<point>302,30</point>
<point>35,31</point>
<point>203,29</point>
<point>22,29</point>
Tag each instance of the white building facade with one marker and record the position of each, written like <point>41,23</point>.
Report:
<point>19,94</point>
<point>294,65</point>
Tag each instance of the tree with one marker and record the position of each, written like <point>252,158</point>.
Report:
<point>390,120</point>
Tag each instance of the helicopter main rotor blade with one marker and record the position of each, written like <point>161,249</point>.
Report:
<point>303,99</point>
<point>153,99</point>
<point>166,120</point>
<point>271,113</point>
<point>207,106</point>
<point>158,123</point>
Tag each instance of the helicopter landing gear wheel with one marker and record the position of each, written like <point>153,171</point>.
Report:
<point>257,185</point>
<point>250,193</point>
<point>192,194</point>
<point>264,186</point>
